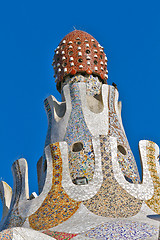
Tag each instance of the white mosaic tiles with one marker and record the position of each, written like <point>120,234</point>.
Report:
<point>112,203</point>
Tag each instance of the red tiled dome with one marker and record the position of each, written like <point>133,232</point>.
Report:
<point>79,52</point>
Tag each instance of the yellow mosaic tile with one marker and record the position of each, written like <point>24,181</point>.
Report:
<point>57,206</point>
<point>154,202</point>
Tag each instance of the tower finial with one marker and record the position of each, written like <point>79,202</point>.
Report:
<point>79,52</point>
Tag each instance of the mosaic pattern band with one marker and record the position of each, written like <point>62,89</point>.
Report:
<point>57,207</point>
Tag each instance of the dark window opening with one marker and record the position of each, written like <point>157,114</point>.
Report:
<point>45,166</point>
<point>128,179</point>
<point>80,181</point>
<point>77,147</point>
<point>122,150</point>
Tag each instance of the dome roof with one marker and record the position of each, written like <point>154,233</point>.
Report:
<point>79,52</point>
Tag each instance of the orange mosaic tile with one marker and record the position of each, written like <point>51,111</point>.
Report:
<point>57,206</point>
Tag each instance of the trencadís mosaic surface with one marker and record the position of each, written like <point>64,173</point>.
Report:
<point>89,185</point>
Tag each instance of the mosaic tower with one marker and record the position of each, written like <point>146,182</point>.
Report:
<point>89,185</point>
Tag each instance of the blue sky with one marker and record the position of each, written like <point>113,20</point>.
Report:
<point>129,31</point>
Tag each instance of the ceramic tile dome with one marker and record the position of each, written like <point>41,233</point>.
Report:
<point>79,52</point>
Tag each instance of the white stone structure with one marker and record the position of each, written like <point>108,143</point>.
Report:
<point>89,185</point>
